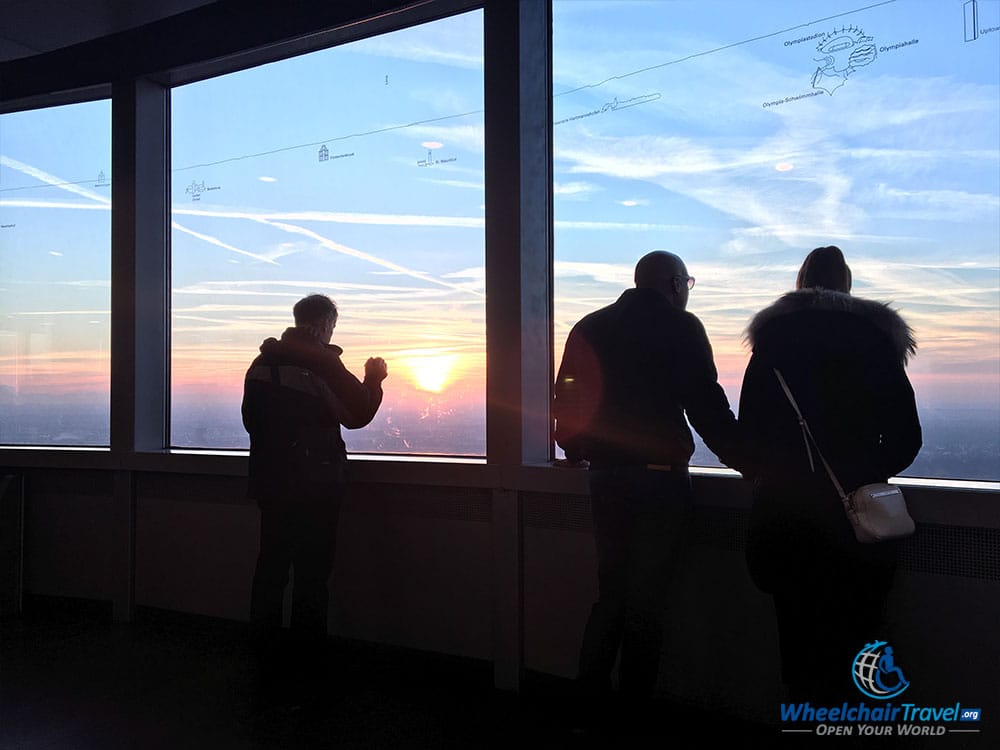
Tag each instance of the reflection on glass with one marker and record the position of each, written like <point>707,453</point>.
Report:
<point>742,135</point>
<point>355,172</point>
<point>55,275</point>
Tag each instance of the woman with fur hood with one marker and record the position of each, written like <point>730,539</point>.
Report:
<point>843,359</point>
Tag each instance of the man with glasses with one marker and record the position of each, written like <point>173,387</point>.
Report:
<point>630,373</point>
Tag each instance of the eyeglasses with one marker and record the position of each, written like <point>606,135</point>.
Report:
<point>689,280</point>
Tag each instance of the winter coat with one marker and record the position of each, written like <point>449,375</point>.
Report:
<point>630,371</point>
<point>297,394</point>
<point>843,359</point>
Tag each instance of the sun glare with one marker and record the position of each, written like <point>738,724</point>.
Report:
<point>431,372</point>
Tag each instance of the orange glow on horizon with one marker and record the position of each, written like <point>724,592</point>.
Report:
<point>447,374</point>
<point>430,372</point>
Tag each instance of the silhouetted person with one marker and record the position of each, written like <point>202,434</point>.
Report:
<point>629,373</point>
<point>843,359</point>
<point>297,394</point>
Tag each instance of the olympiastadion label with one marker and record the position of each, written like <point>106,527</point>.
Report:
<point>877,676</point>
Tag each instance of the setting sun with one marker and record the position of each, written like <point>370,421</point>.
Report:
<point>431,372</point>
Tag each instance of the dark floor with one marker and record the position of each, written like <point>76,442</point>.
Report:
<point>70,679</point>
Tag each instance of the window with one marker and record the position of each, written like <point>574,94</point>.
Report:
<point>742,135</point>
<point>55,271</point>
<point>355,172</point>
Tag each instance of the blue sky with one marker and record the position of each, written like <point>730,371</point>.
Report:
<point>728,159</point>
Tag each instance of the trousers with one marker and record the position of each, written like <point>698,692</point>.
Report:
<point>640,520</point>
<point>300,536</point>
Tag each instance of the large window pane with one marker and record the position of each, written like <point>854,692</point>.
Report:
<point>55,275</point>
<point>355,172</point>
<point>742,135</point>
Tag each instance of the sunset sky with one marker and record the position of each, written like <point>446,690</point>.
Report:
<point>738,135</point>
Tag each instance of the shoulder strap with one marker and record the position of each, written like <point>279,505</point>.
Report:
<point>807,435</point>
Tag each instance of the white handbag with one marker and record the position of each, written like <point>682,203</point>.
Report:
<point>878,511</point>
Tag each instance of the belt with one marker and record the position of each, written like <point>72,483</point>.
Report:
<point>650,467</point>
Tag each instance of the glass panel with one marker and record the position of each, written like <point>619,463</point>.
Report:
<point>742,135</point>
<point>355,172</point>
<point>55,275</point>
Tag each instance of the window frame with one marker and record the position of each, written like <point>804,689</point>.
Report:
<point>519,211</point>
<point>85,95</point>
<point>315,43</point>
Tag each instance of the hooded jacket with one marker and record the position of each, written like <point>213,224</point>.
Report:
<point>843,358</point>
<point>296,395</point>
<point>630,373</point>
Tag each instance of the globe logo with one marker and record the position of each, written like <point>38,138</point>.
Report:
<point>876,674</point>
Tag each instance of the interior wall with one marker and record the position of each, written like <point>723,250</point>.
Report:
<point>415,568</point>
<point>405,555</point>
<point>720,650</point>
<point>195,545</point>
<point>68,533</point>
<point>720,647</point>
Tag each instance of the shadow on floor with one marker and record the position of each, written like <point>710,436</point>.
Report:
<point>71,679</point>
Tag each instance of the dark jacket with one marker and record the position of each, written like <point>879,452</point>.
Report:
<point>296,395</point>
<point>629,373</point>
<point>843,358</point>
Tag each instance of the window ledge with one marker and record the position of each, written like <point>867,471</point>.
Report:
<point>465,470</point>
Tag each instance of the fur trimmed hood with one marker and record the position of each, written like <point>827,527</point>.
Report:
<point>880,314</point>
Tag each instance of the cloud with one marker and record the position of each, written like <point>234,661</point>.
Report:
<point>339,217</point>
<point>618,226</point>
<point>219,243</point>
<point>22,203</point>
<point>84,283</point>
<point>909,127</point>
<point>52,180</point>
<point>455,42</point>
<point>469,138</point>
<point>286,287</point>
<point>102,202</point>
<point>952,308</point>
<point>48,313</point>
<point>361,255</point>
<point>465,184</point>
<point>937,205</point>
<point>641,157</point>
<point>618,274</point>
<point>477,273</point>
<point>566,189</point>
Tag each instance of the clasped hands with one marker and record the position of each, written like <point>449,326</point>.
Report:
<point>376,369</point>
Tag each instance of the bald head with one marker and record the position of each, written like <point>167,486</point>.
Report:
<point>665,273</point>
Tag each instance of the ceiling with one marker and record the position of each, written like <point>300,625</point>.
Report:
<point>31,27</point>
